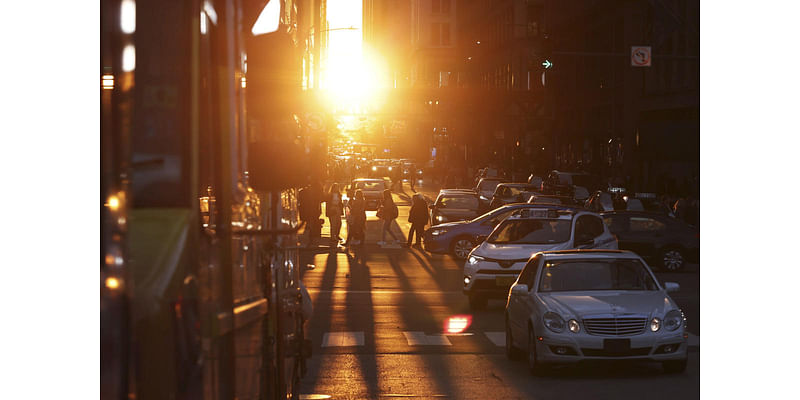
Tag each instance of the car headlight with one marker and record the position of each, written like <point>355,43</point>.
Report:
<point>437,232</point>
<point>484,198</point>
<point>419,172</point>
<point>440,218</point>
<point>390,168</point>
<point>374,168</point>
<point>474,260</point>
<point>655,324</point>
<point>673,320</point>
<point>574,326</point>
<point>553,321</point>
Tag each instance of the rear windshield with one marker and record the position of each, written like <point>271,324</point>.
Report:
<point>488,185</point>
<point>369,186</point>
<point>459,202</point>
<point>596,275</point>
<point>531,231</point>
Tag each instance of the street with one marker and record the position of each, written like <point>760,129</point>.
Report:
<point>378,331</point>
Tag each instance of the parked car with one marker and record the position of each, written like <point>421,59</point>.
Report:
<point>455,205</point>
<point>506,193</point>
<point>667,243</point>
<point>372,188</point>
<point>601,201</point>
<point>485,188</point>
<point>537,198</point>
<point>459,238</point>
<point>577,185</point>
<point>494,264</point>
<point>576,305</point>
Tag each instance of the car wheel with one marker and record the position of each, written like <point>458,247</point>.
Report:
<point>675,366</point>
<point>461,247</point>
<point>535,366</point>
<point>477,302</point>
<point>512,352</point>
<point>672,259</point>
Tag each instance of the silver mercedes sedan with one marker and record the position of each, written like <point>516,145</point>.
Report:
<point>573,305</point>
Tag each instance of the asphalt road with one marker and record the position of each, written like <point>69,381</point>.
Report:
<point>378,331</point>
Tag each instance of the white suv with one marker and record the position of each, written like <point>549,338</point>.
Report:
<point>494,265</point>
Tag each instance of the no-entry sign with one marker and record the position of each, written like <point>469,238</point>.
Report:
<point>641,56</point>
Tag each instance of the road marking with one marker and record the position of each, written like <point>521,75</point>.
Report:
<point>343,339</point>
<point>498,338</point>
<point>421,339</point>
<point>380,291</point>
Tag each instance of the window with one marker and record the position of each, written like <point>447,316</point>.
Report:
<point>531,231</point>
<point>644,224</point>
<point>596,275</point>
<point>498,218</point>
<point>445,34</point>
<point>445,6</point>
<point>529,272</point>
<point>435,33</point>
<point>588,227</point>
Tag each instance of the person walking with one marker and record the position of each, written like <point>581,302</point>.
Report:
<point>388,213</point>
<point>418,216</point>
<point>333,210</point>
<point>357,225</point>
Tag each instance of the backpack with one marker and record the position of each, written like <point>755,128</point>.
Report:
<point>393,211</point>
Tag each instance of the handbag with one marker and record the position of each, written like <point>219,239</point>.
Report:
<point>380,213</point>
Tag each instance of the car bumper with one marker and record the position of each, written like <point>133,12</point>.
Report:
<point>490,286</point>
<point>563,349</point>
<point>437,245</point>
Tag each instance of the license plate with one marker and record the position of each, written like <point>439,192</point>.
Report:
<point>504,281</point>
<point>617,345</point>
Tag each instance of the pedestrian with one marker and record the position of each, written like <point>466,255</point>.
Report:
<point>412,177</point>
<point>315,209</point>
<point>304,206</point>
<point>357,225</point>
<point>418,217</point>
<point>388,213</point>
<point>333,210</point>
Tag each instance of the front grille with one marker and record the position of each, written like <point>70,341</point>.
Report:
<point>615,326</point>
<point>507,263</point>
<point>642,351</point>
<point>498,272</point>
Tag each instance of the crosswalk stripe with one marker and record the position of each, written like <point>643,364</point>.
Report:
<point>498,338</point>
<point>343,339</point>
<point>421,339</point>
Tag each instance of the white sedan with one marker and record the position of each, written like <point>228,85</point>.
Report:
<point>573,305</point>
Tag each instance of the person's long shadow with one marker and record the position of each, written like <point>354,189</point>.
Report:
<point>361,312</point>
<point>323,308</point>
<point>416,313</point>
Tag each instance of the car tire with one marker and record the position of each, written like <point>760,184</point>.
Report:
<point>536,367</point>
<point>477,302</point>
<point>512,352</point>
<point>672,259</point>
<point>461,247</point>
<point>675,366</point>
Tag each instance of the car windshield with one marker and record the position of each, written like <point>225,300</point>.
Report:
<point>459,202</point>
<point>617,274</point>
<point>531,231</point>
<point>371,186</point>
<point>488,186</point>
<point>517,190</point>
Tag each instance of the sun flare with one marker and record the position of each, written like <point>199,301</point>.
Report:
<point>352,74</point>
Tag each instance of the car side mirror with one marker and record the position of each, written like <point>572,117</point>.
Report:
<point>519,289</point>
<point>672,287</point>
<point>481,238</point>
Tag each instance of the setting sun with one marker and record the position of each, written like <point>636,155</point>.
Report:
<point>352,75</point>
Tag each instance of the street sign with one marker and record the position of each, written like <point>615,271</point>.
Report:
<point>641,56</point>
<point>547,64</point>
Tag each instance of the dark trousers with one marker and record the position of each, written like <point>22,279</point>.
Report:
<point>419,228</point>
